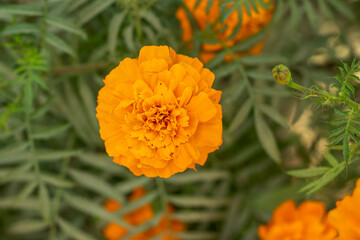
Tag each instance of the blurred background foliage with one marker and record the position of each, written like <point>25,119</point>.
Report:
<point>55,175</point>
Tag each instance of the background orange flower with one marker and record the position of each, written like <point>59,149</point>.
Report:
<point>158,114</point>
<point>114,231</point>
<point>307,222</point>
<point>250,25</point>
<point>346,216</point>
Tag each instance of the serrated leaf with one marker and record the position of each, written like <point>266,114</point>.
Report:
<point>58,44</point>
<point>44,203</point>
<point>336,131</point>
<point>93,209</point>
<point>21,9</point>
<point>308,172</point>
<point>96,184</point>
<point>338,122</point>
<point>331,159</point>
<point>66,25</point>
<point>28,226</point>
<point>72,231</point>
<point>93,9</point>
<point>266,137</point>
<point>240,116</point>
<point>20,28</point>
<point>51,131</point>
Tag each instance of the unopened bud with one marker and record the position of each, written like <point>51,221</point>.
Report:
<point>282,74</point>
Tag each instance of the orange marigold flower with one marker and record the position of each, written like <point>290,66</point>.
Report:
<point>158,114</point>
<point>250,25</point>
<point>114,231</point>
<point>346,216</point>
<point>307,222</point>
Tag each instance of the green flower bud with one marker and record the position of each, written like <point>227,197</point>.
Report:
<point>282,74</point>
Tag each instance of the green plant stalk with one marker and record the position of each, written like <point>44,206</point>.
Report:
<point>329,97</point>
<point>43,25</point>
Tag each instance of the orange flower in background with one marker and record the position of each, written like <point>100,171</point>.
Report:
<point>114,231</point>
<point>346,216</point>
<point>250,25</point>
<point>307,222</point>
<point>158,114</point>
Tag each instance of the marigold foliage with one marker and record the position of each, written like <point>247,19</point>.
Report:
<point>307,222</point>
<point>114,231</point>
<point>158,114</point>
<point>227,31</point>
<point>346,216</point>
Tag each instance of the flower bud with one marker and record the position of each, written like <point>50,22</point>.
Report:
<point>282,74</point>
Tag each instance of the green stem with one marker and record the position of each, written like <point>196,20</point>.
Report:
<point>329,97</point>
<point>43,26</point>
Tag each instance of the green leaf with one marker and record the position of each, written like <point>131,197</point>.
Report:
<point>153,20</point>
<point>72,231</point>
<point>16,172</point>
<point>31,204</point>
<point>270,59</point>
<point>56,181</point>
<point>27,190</point>
<point>131,206</point>
<point>218,59</point>
<point>325,10</point>
<point>45,206</point>
<point>199,176</point>
<point>92,9</point>
<point>51,131</point>
<point>128,186</point>
<point>96,184</point>
<point>20,29</point>
<point>331,159</point>
<point>128,35</point>
<point>274,114</point>
<point>66,25</point>
<point>28,96</point>
<point>103,162</point>
<point>295,16</point>
<point>342,7</point>
<point>308,172</point>
<point>266,137</point>
<point>38,79</point>
<point>194,201</point>
<point>311,14</point>
<point>199,216</point>
<point>346,148</point>
<point>248,43</point>
<point>28,226</point>
<point>58,44</point>
<point>336,131</point>
<point>113,31</point>
<point>191,235</point>
<point>324,180</point>
<point>17,9</point>
<point>93,209</point>
<point>338,122</point>
<point>240,116</point>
